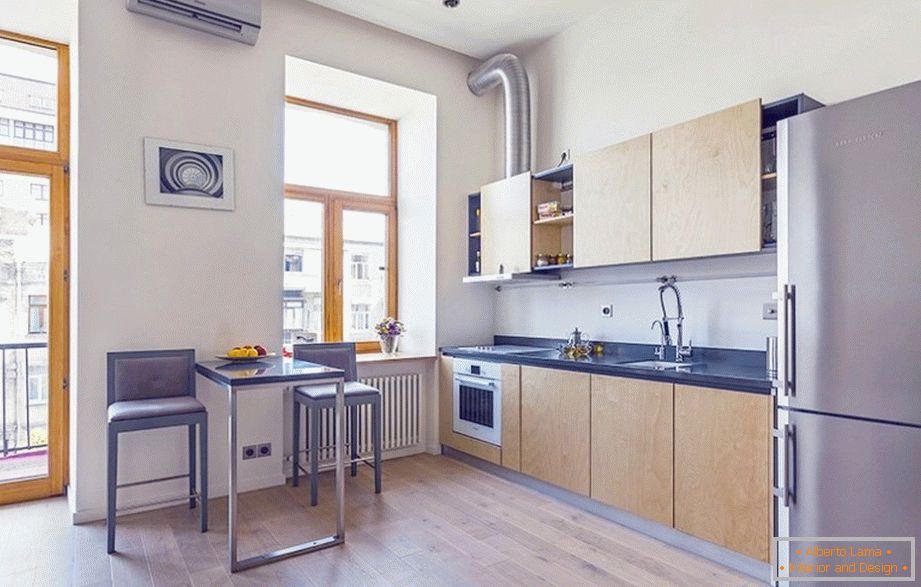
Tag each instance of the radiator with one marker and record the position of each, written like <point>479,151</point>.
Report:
<point>401,415</point>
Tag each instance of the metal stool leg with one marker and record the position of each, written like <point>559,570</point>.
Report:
<point>112,481</point>
<point>376,434</point>
<point>296,441</point>
<point>192,461</point>
<point>314,417</point>
<point>203,491</point>
<point>353,437</point>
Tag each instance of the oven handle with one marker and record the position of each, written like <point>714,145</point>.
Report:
<point>474,381</point>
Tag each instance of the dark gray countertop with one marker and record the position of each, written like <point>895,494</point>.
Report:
<point>731,369</point>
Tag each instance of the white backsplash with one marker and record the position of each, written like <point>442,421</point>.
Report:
<point>722,301</point>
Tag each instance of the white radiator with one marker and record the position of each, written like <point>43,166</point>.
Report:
<point>401,415</point>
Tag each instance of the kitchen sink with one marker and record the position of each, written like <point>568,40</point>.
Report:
<point>658,365</point>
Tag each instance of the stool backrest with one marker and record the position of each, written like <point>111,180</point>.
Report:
<point>338,355</point>
<point>139,375</point>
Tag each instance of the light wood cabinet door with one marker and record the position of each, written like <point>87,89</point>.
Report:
<point>511,417</point>
<point>632,446</point>
<point>706,185</point>
<point>555,433</point>
<point>612,198</point>
<point>722,468</point>
<point>505,225</point>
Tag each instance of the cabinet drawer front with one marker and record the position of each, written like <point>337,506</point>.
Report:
<point>722,468</point>
<point>555,421</point>
<point>612,194</point>
<point>632,446</point>
<point>706,185</point>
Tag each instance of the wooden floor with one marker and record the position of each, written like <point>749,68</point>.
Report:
<point>438,522</point>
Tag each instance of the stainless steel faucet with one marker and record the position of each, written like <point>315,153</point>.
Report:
<point>681,351</point>
<point>663,339</point>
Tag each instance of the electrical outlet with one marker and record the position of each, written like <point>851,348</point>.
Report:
<point>769,311</point>
<point>607,311</point>
<point>257,451</point>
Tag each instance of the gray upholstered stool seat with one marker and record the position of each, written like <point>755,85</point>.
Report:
<point>340,355</point>
<point>353,390</point>
<point>152,408</point>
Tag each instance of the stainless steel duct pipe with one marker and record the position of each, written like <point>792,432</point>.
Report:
<point>506,69</point>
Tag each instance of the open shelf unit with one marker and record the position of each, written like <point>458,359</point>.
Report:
<point>771,114</point>
<point>551,236</point>
<point>473,234</point>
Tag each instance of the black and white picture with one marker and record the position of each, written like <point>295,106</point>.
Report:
<point>182,174</point>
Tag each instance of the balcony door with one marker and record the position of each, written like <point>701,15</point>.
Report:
<point>33,267</point>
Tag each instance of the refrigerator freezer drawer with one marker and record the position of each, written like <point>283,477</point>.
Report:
<point>850,478</point>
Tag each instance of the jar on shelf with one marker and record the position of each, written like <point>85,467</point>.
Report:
<point>541,260</point>
<point>561,258</point>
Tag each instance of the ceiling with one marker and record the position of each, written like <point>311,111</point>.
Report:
<point>479,28</point>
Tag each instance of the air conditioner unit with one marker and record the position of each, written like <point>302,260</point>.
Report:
<point>239,20</point>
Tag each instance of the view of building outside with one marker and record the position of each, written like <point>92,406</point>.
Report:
<point>364,272</point>
<point>28,110</point>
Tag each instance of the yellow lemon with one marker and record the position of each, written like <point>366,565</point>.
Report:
<point>251,352</point>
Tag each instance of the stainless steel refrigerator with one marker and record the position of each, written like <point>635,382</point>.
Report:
<point>848,419</point>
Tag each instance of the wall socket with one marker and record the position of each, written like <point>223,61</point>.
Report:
<point>607,311</point>
<point>256,451</point>
<point>769,311</point>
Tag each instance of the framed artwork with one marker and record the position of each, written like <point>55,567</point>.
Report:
<point>187,175</point>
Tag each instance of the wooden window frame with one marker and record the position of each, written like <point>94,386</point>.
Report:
<point>54,165</point>
<point>334,203</point>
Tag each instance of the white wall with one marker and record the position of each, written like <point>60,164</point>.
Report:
<point>162,277</point>
<point>54,20</point>
<point>639,66</point>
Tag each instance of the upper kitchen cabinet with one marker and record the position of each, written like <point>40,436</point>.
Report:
<point>512,232</point>
<point>706,185</point>
<point>612,190</point>
<point>505,225</point>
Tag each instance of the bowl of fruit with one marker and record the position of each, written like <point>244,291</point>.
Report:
<point>243,354</point>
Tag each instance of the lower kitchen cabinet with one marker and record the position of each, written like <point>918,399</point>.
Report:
<point>446,434</point>
<point>632,446</point>
<point>555,427</point>
<point>511,417</point>
<point>722,468</point>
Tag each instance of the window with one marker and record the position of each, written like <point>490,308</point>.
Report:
<point>340,205</point>
<point>294,262</point>
<point>38,387</point>
<point>38,314</point>
<point>4,127</point>
<point>361,318</point>
<point>359,267</point>
<point>39,191</point>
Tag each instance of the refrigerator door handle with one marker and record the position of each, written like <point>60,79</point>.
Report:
<point>789,326</point>
<point>787,489</point>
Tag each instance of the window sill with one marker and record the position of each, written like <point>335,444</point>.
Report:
<point>383,358</point>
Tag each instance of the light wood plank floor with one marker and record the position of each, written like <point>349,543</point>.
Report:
<point>438,522</point>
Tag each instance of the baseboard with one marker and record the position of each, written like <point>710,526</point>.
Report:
<point>219,489</point>
<point>754,568</point>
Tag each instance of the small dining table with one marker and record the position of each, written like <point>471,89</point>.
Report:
<point>234,376</point>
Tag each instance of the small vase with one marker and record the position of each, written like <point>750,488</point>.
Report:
<point>389,343</point>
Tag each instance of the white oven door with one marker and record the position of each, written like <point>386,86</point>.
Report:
<point>478,408</point>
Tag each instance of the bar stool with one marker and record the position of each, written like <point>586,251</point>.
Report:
<point>155,389</point>
<point>339,355</point>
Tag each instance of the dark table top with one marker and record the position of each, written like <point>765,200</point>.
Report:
<point>263,371</point>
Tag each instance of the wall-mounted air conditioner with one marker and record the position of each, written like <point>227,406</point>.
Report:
<point>239,20</point>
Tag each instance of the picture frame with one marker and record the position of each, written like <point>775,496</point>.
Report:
<point>188,175</point>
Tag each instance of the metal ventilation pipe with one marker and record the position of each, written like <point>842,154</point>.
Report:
<point>506,69</point>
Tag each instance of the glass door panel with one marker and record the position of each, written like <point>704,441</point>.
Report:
<point>25,239</point>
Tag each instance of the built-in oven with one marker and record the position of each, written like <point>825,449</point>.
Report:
<point>478,400</point>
